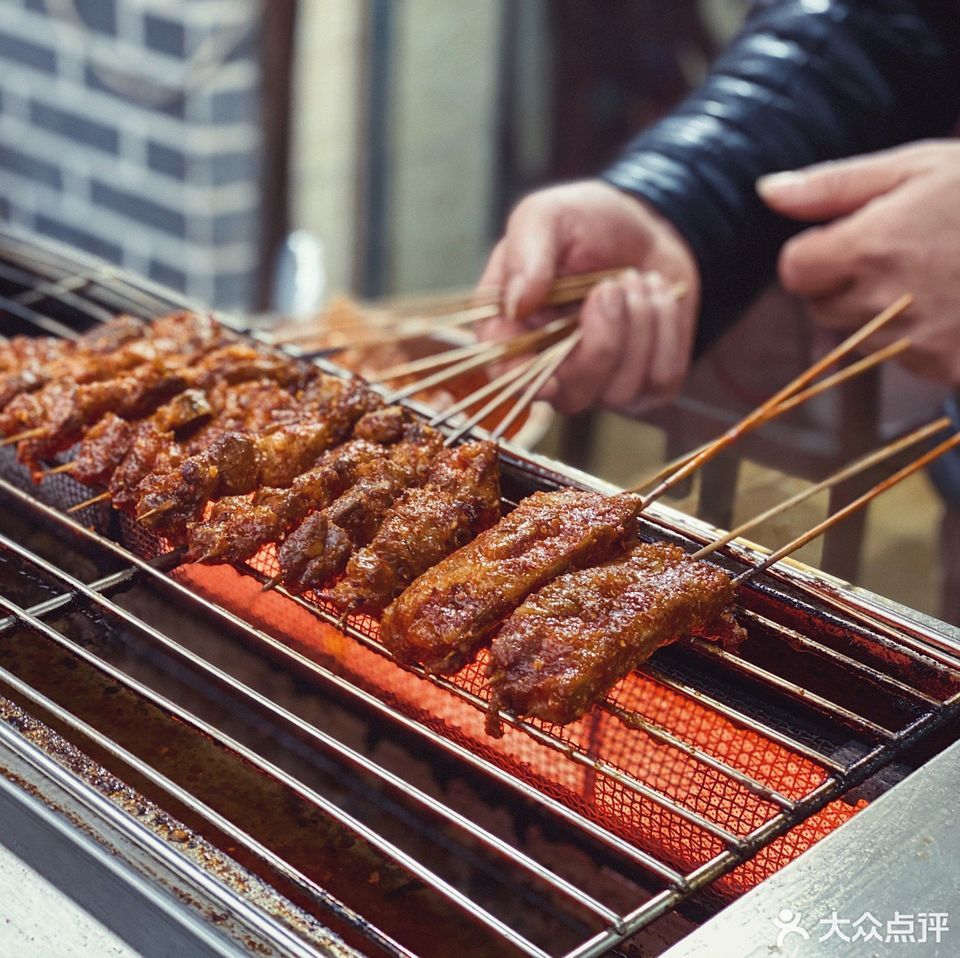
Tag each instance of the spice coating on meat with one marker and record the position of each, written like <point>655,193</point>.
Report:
<point>460,498</point>
<point>569,643</point>
<point>320,547</point>
<point>442,619</point>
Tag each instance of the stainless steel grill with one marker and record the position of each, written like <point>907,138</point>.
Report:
<point>363,801</point>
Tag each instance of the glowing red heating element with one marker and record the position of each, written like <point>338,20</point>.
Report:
<point>600,736</point>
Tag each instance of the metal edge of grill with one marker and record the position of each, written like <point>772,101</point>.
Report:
<point>795,584</point>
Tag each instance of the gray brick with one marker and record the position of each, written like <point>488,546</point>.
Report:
<point>233,291</point>
<point>28,53</point>
<point>235,106</point>
<point>74,127</point>
<point>235,167</point>
<point>160,272</point>
<point>234,227</point>
<point>30,167</point>
<point>174,107</point>
<point>100,15</point>
<point>81,239</point>
<point>165,35</point>
<point>139,208</point>
<point>165,160</point>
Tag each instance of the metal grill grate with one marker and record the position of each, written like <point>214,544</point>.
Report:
<point>705,772</point>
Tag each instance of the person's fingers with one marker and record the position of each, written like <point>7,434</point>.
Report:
<point>672,346</point>
<point>582,378</point>
<point>632,372</point>
<point>836,188</point>
<point>531,250</point>
<point>818,261</point>
<point>492,275</point>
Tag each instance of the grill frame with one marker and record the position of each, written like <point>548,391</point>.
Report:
<point>86,278</point>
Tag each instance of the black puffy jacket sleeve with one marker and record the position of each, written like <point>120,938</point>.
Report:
<point>805,81</point>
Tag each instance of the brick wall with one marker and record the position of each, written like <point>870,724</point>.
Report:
<point>131,129</point>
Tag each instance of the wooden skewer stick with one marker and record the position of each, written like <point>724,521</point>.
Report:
<point>557,354</point>
<point>458,310</point>
<point>79,506</point>
<point>531,373</point>
<point>430,362</point>
<point>848,472</point>
<point>22,436</point>
<point>526,342</point>
<point>851,507</point>
<point>504,379</point>
<point>798,399</point>
<point>755,418</point>
<point>65,467</point>
<point>163,507</point>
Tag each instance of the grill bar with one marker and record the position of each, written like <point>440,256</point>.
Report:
<point>795,691</point>
<point>844,661</point>
<point>327,807</point>
<point>321,896</point>
<point>318,736</point>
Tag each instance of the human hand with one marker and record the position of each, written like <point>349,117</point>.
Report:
<point>637,334</point>
<point>894,228</point>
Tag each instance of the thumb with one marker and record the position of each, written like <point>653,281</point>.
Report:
<point>833,189</point>
<point>530,252</point>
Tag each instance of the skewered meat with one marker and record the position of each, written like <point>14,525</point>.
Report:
<point>106,444</point>
<point>238,526</point>
<point>460,498</point>
<point>569,643</point>
<point>154,447</point>
<point>23,352</point>
<point>235,463</point>
<point>321,545</point>
<point>442,619</point>
<point>180,334</point>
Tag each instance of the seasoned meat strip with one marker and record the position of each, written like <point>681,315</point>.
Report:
<point>238,526</point>
<point>442,619</point>
<point>569,643</point>
<point>320,547</point>
<point>460,498</point>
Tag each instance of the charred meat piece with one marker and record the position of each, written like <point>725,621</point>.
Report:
<point>238,527</point>
<point>236,463</point>
<point>460,498</point>
<point>441,620</point>
<point>106,444</point>
<point>320,547</point>
<point>567,645</point>
<point>183,335</point>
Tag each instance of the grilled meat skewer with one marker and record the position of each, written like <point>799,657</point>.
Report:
<point>441,620</point>
<point>30,353</point>
<point>569,643</point>
<point>154,447</point>
<point>236,463</point>
<point>238,527</point>
<point>321,545</point>
<point>180,334</point>
<point>460,498</point>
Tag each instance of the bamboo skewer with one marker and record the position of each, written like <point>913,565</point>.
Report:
<point>798,399</point>
<point>446,312</point>
<point>526,342</point>
<point>79,506</point>
<point>848,472</point>
<point>23,436</point>
<point>851,507</point>
<point>756,417</point>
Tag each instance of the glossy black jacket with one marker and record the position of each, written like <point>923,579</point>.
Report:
<point>806,80</point>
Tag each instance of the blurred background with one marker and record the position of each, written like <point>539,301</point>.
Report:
<point>262,156</point>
